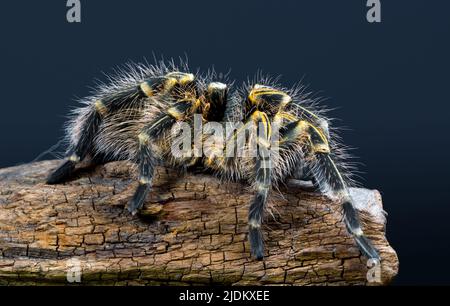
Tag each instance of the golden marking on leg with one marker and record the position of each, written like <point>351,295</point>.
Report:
<point>265,121</point>
<point>180,77</point>
<point>321,148</point>
<point>304,128</point>
<point>144,181</point>
<point>175,113</point>
<point>209,161</point>
<point>254,223</point>
<point>255,115</point>
<point>319,131</point>
<point>74,158</point>
<point>146,89</point>
<point>299,130</point>
<point>260,90</point>
<point>251,121</point>
<point>267,126</point>
<point>278,118</point>
<point>143,138</point>
<point>169,84</point>
<point>197,103</point>
<point>206,109</point>
<point>187,78</point>
<point>100,108</point>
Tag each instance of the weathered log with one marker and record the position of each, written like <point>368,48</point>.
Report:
<point>192,231</point>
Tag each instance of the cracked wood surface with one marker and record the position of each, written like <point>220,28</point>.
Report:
<point>192,231</point>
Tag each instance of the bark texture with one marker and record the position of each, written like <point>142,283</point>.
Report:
<point>192,231</point>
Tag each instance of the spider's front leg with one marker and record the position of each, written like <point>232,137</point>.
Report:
<point>328,176</point>
<point>146,157</point>
<point>263,180</point>
<point>272,101</point>
<point>186,105</point>
<point>258,122</point>
<point>146,169</point>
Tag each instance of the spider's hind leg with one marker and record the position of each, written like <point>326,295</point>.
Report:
<point>79,152</point>
<point>263,173</point>
<point>131,97</point>
<point>305,178</point>
<point>328,176</point>
<point>91,122</point>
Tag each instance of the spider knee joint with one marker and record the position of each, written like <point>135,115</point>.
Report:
<point>146,89</point>
<point>181,77</point>
<point>186,79</point>
<point>216,86</point>
<point>100,108</point>
<point>266,94</point>
<point>254,223</point>
<point>74,158</point>
<point>144,180</point>
<point>144,139</point>
<point>175,113</point>
<point>357,232</point>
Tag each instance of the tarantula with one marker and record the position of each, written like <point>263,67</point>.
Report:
<point>133,116</point>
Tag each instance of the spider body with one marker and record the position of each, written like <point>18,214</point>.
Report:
<point>281,135</point>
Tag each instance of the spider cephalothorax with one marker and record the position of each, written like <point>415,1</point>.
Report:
<point>134,117</point>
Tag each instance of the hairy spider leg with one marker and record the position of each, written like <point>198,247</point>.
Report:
<point>216,102</point>
<point>178,111</point>
<point>273,101</point>
<point>328,176</point>
<point>146,170</point>
<point>263,180</point>
<point>97,110</point>
<point>130,98</point>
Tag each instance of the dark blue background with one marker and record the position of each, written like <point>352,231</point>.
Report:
<point>389,80</point>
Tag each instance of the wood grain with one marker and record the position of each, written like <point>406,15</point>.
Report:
<point>192,231</point>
